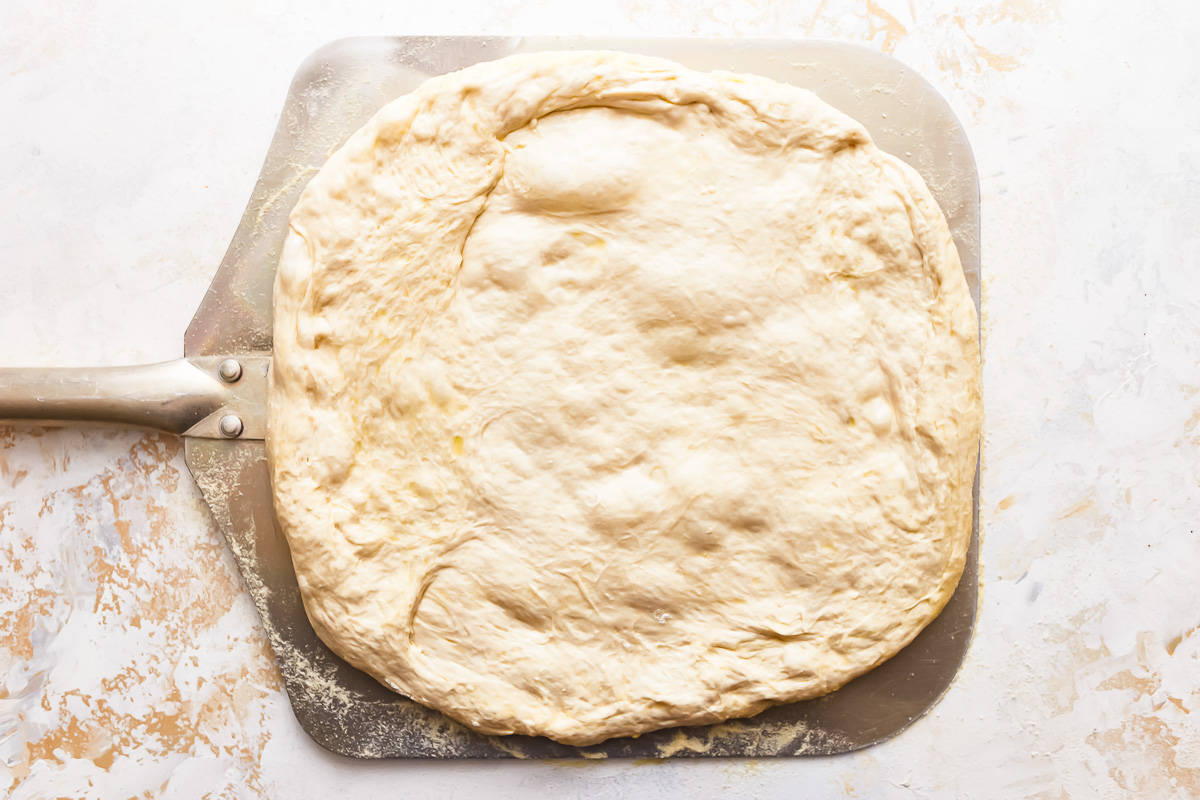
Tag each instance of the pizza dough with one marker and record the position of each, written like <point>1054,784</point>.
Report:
<point>609,395</point>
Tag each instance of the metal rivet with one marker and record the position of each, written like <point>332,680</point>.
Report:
<point>230,370</point>
<point>230,426</point>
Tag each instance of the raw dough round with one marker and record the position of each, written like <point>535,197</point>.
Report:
<point>609,395</point>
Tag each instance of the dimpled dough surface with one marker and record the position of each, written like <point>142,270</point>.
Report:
<point>609,395</point>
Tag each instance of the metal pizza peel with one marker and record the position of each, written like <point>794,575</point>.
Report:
<point>215,397</point>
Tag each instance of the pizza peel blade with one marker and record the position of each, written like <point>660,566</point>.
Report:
<point>215,397</point>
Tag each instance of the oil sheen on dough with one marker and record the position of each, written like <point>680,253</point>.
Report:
<point>610,395</point>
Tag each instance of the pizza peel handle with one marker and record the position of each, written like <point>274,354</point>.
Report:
<point>210,397</point>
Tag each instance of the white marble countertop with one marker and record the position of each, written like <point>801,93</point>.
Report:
<point>131,662</point>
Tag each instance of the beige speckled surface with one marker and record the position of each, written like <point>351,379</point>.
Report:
<point>130,662</point>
